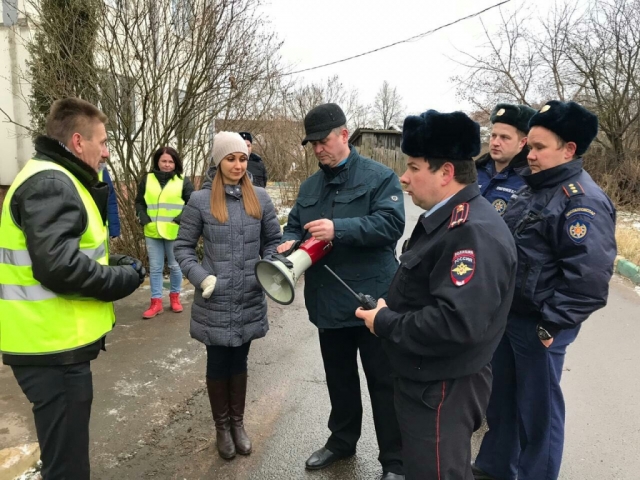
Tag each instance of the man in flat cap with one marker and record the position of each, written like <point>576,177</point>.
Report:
<point>255,165</point>
<point>564,228</point>
<point>358,205</point>
<point>497,176</point>
<point>448,302</point>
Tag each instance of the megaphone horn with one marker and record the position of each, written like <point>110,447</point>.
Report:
<point>278,274</point>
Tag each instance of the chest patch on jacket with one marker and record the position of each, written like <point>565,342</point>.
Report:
<point>500,205</point>
<point>463,266</point>
<point>459,215</point>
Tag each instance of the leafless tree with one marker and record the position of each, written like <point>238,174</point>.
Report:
<point>590,55</point>
<point>387,106</point>
<point>163,70</point>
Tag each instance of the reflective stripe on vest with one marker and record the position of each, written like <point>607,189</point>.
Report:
<point>163,205</point>
<point>33,319</point>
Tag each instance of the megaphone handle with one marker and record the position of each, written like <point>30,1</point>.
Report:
<point>293,248</point>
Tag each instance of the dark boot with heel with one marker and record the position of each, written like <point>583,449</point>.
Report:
<point>219,399</point>
<point>237,400</point>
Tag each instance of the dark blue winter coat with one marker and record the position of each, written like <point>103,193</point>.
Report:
<point>113,215</point>
<point>498,188</point>
<point>365,201</point>
<point>564,228</point>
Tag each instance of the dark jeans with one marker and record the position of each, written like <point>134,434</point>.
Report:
<point>225,362</point>
<point>61,398</point>
<point>339,349</point>
<point>437,420</point>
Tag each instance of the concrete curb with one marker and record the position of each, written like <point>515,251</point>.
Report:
<point>17,460</point>
<point>627,269</point>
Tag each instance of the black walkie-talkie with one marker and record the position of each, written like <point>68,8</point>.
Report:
<point>367,302</point>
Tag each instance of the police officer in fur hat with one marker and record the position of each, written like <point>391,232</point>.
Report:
<point>448,302</point>
<point>564,228</point>
<point>497,176</point>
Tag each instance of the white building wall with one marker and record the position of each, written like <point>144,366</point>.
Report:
<point>15,142</point>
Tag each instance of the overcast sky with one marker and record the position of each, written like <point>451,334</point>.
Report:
<point>320,31</point>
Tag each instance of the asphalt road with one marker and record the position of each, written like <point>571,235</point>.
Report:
<point>151,417</point>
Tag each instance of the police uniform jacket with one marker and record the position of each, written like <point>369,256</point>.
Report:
<point>564,228</point>
<point>499,187</point>
<point>449,300</point>
<point>365,201</point>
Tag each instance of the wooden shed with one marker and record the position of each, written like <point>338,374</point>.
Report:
<point>380,145</point>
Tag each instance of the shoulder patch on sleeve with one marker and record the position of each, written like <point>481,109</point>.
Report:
<point>572,189</point>
<point>463,266</point>
<point>578,229</point>
<point>459,215</point>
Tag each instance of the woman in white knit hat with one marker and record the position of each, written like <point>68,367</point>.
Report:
<point>239,226</point>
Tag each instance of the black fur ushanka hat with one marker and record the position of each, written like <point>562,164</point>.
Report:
<point>450,136</point>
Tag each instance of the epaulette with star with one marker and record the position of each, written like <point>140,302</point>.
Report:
<point>459,215</point>
<point>572,189</point>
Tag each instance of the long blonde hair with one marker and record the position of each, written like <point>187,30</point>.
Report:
<point>219,201</point>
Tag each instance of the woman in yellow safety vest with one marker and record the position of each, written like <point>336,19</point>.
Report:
<point>162,194</point>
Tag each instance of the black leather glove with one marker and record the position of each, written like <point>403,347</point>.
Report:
<point>122,260</point>
<point>144,219</point>
<point>137,266</point>
<point>119,260</point>
<point>142,272</point>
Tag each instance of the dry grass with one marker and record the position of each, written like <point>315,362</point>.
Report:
<point>628,239</point>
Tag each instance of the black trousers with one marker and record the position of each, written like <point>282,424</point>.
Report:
<point>339,349</point>
<point>224,362</point>
<point>61,398</point>
<point>437,420</point>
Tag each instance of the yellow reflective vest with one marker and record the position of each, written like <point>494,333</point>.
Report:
<point>163,205</point>
<point>33,319</point>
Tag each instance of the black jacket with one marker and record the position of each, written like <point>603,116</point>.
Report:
<point>51,214</point>
<point>163,178</point>
<point>564,228</point>
<point>449,300</point>
<point>256,168</point>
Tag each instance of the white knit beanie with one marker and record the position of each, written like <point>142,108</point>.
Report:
<point>225,143</point>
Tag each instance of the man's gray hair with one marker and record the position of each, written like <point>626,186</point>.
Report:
<point>338,130</point>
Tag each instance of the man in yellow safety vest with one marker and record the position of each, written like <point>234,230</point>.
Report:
<point>58,281</point>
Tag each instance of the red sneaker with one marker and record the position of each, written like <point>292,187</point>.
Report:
<point>155,308</point>
<point>176,306</point>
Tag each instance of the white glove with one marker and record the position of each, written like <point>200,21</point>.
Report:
<point>207,286</point>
